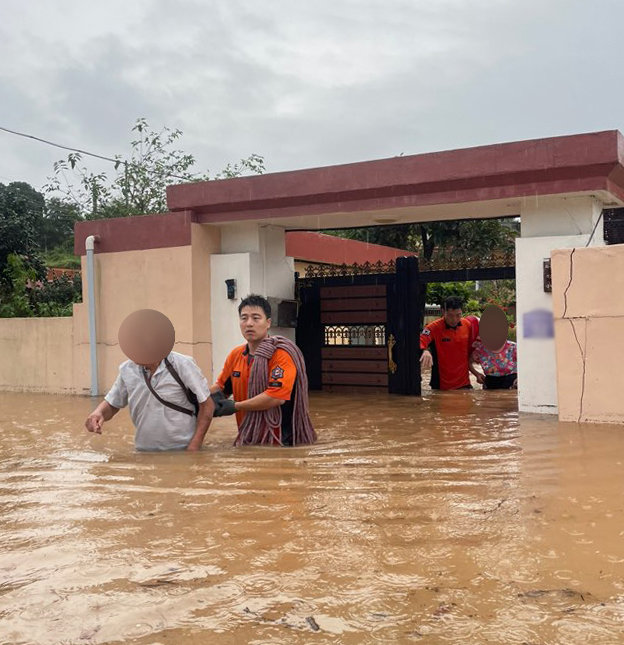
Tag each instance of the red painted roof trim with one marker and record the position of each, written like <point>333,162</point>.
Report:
<point>131,233</point>
<point>583,162</point>
<point>328,249</point>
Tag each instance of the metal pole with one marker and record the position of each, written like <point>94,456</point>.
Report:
<point>90,245</point>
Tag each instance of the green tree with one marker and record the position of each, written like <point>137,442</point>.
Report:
<point>57,225</point>
<point>28,222</point>
<point>14,299</point>
<point>21,216</point>
<point>470,238</point>
<point>438,292</point>
<point>55,237</point>
<point>138,185</point>
<point>461,238</point>
<point>62,256</point>
<point>399,236</point>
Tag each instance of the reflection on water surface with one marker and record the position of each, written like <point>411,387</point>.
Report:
<point>443,520</point>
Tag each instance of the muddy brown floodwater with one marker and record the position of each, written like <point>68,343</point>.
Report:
<point>450,519</point>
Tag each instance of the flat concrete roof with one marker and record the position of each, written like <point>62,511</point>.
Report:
<point>472,183</point>
<point>485,181</point>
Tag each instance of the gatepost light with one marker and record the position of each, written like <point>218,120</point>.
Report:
<point>547,275</point>
<point>231,288</point>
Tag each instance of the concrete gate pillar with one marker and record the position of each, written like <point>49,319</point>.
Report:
<point>546,224</point>
<point>254,255</point>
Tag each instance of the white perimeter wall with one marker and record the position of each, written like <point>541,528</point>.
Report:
<point>537,368</point>
<point>255,257</point>
<point>547,224</point>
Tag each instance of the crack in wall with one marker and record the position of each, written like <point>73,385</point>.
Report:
<point>565,293</point>
<point>582,349</point>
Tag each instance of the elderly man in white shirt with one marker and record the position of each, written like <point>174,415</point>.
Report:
<point>158,386</point>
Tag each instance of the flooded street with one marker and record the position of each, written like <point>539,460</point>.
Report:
<point>450,519</point>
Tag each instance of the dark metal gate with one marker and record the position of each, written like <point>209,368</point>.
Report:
<point>358,327</point>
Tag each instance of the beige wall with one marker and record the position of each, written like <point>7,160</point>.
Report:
<point>130,280</point>
<point>175,281</point>
<point>37,354</point>
<point>52,354</point>
<point>588,307</point>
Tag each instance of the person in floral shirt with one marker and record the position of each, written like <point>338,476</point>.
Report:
<point>496,355</point>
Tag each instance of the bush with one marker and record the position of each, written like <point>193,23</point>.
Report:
<point>14,301</point>
<point>438,292</point>
<point>62,256</point>
<point>23,296</point>
<point>56,298</point>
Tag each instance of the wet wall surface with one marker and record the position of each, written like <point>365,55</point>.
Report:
<point>447,519</point>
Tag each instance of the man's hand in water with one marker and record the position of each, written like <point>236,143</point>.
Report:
<point>104,412</point>
<point>94,422</point>
<point>426,360</point>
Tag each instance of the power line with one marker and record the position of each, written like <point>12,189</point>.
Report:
<point>58,145</point>
<point>84,152</point>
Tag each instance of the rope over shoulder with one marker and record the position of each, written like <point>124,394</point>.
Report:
<point>263,427</point>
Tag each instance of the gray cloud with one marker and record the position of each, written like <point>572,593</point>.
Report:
<point>305,84</point>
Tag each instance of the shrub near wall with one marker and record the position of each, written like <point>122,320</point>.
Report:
<point>23,296</point>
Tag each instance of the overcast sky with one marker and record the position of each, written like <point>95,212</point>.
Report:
<point>303,83</point>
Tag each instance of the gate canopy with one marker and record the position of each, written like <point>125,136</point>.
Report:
<point>486,181</point>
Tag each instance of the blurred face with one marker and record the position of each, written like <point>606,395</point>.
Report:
<point>146,337</point>
<point>254,324</point>
<point>452,317</point>
<point>493,328</point>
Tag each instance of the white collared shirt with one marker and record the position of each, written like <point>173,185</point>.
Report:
<point>159,427</point>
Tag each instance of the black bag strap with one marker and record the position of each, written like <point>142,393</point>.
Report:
<point>168,404</point>
<point>190,395</point>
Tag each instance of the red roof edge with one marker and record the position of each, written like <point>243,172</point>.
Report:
<point>329,249</point>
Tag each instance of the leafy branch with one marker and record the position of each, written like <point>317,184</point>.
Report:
<point>138,183</point>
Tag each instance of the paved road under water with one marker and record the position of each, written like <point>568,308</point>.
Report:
<point>450,519</point>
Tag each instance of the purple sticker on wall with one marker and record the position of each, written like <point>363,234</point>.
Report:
<point>538,323</point>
